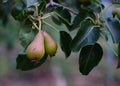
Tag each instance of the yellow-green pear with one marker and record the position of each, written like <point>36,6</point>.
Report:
<point>116,11</point>
<point>50,44</point>
<point>36,50</point>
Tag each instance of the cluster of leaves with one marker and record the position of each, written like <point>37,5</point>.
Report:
<point>89,21</point>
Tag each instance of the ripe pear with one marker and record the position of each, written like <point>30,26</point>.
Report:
<point>116,11</point>
<point>50,44</point>
<point>36,50</point>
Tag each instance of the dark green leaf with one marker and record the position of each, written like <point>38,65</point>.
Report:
<point>77,20</point>
<point>24,64</point>
<point>56,20</point>
<point>114,28</point>
<point>80,17</point>
<point>118,66</point>
<point>90,56</point>
<point>94,8</point>
<point>96,2</point>
<point>65,40</point>
<point>63,14</point>
<point>42,6</point>
<point>91,39</point>
<point>87,34</point>
<point>19,11</point>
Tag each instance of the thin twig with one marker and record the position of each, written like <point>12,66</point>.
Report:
<point>69,9</point>
<point>47,5</point>
<point>47,15</point>
<point>52,3</point>
<point>34,24</point>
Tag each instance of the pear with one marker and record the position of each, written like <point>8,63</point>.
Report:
<point>36,50</point>
<point>116,11</point>
<point>50,44</point>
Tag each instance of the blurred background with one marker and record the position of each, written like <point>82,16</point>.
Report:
<point>57,71</point>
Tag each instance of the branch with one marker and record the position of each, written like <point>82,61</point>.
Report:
<point>52,3</point>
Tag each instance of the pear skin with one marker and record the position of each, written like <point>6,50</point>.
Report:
<point>50,44</point>
<point>116,11</point>
<point>36,50</point>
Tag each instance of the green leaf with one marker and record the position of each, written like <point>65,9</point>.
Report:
<point>56,20</point>
<point>42,6</point>
<point>90,57</point>
<point>19,11</point>
<point>65,40</point>
<point>118,66</point>
<point>114,27</point>
<point>87,34</point>
<point>78,19</point>
<point>26,35</point>
<point>63,14</point>
<point>96,2</point>
<point>81,17</point>
<point>94,8</point>
<point>24,64</point>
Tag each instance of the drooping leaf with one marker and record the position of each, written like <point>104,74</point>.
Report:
<point>91,39</point>
<point>24,64</point>
<point>90,57</point>
<point>77,20</point>
<point>87,34</point>
<point>42,6</point>
<point>63,14</point>
<point>56,20</point>
<point>114,28</point>
<point>118,66</point>
<point>94,8</point>
<point>65,40</point>
<point>83,14</point>
<point>96,2</point>
<point>97,5</point>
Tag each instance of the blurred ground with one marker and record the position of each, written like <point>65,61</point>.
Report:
<point>57,71</point>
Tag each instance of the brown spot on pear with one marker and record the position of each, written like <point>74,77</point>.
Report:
<point>36,50</point>
<point>50,44</point>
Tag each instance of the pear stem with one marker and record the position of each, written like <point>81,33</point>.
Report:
<point>51,26</point>
<point>34,24</point>
<point>39,24</point>
<point>36,7</point>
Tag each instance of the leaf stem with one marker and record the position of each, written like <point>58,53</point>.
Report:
<point>48,15</point>
<point>51,26</point>
<point>91,20</point>
<point>36,10</point>
<point>34,24</point>
<point>40,23</point>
